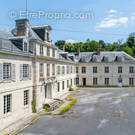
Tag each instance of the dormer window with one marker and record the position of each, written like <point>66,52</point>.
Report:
<point>25,47</point>
<point>48,39</point>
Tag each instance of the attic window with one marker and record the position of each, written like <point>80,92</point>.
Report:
<point>47,36</point>
<point>25,47</point>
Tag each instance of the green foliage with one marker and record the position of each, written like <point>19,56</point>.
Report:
<point>91,45</point>
<point>67,107</point>
<point>74,100</point>
<point>70,88</point>
<point>47,109</point>
<point>60,43</point>
<point>34,106</point>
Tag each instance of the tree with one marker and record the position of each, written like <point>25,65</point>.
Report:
<point>60,43</point>
<point>131,41</point>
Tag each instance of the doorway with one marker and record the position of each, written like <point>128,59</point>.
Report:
<point>84,81</point>
<point>48,91</point>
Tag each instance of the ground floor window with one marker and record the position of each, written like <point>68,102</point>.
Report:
<point>77,81</point>
<point>26,97</point>
<point>131,81</point>
<point>71,82</point>
<point>95,81</point>
<point>106,81</point>
<point>63,85</point>
<point>58,86</point>
<point>7,104</point>
<point>67,83</point>
<point>74,81</point>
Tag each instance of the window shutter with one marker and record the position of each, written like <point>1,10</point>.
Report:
<point>13,72</point>
<point>21,72</point>
<point>30,72</point>
<point>1,72</point>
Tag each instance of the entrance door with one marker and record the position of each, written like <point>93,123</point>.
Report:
<point>84,81</point>
<point>48,91</point>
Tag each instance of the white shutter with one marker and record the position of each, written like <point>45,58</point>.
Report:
<point>30,72</point>
<point>13,72</point>
<point>1,72</point>
<point>21,72</point>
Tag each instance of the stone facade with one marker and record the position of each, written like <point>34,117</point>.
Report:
<point>32,69</point>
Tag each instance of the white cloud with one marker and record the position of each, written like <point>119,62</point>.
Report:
<point>132,19</point>
<point>71,41</point>
<point>112,11</point>
<point>111,21</point>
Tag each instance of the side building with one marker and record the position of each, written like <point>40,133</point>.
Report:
<point>106,69</point>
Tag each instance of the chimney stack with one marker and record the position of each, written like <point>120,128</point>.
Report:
<point>98,50</point>
<point>22,27</point>
<point>78,50</point>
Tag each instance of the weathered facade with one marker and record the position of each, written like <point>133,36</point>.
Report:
<point>34,72</point>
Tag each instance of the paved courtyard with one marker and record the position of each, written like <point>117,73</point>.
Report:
<point>98,111</point>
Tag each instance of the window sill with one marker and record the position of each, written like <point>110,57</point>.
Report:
<point>26,106</point>
<point>7,115</point>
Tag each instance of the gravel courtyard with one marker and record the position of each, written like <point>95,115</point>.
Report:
<point>98,111</point>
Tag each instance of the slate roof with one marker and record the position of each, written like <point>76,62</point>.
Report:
<point>6,44</point>
<point>92,57</point>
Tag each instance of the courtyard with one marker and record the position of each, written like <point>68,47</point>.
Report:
<point>98,111</point>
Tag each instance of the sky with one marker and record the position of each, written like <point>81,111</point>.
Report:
<point>74,20</point>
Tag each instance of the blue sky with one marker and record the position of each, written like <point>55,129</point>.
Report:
<point>110,19</point>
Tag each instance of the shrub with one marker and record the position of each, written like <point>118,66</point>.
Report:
<point>65,109</point>
<point>47,109</point>
<point>34,106</point>
<point>70,88</point>
<point>74,100</point>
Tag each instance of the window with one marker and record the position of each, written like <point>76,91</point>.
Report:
<point>67,69</point>
<point>58,70</point>
<point>53,69</point>
<point>6,71</point>
<point>7,104</point>
<point>26,97</point>
<point>77,81</point>
<point>48,51</point>
<point>48,69</point>
<point>95,81</point>
<point>76,69</point>
<point>71,82</point>
<point>25,70</point>
<point>48,39</point>
<point>74,81</point>
<point>94,69</point>
<point>63,85</point>
<point>53,52</point>
<point>58,86</point>
<point>131,69</point>
<point>71,69</point>
<point>106,81</point>
<point>41,70</point>
<point>119,69</point>
<point>25,47</point>
<point>41,50</point>
<point>83,70</point>
<point>67,83</point>
<point>63,70</point>
<point>106,69</point>
<point>131,81</point>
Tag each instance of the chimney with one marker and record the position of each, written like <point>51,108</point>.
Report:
<point>22,27</point>
<point>98,50</point>
<point>63,48</point>
<point>78,50</point>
